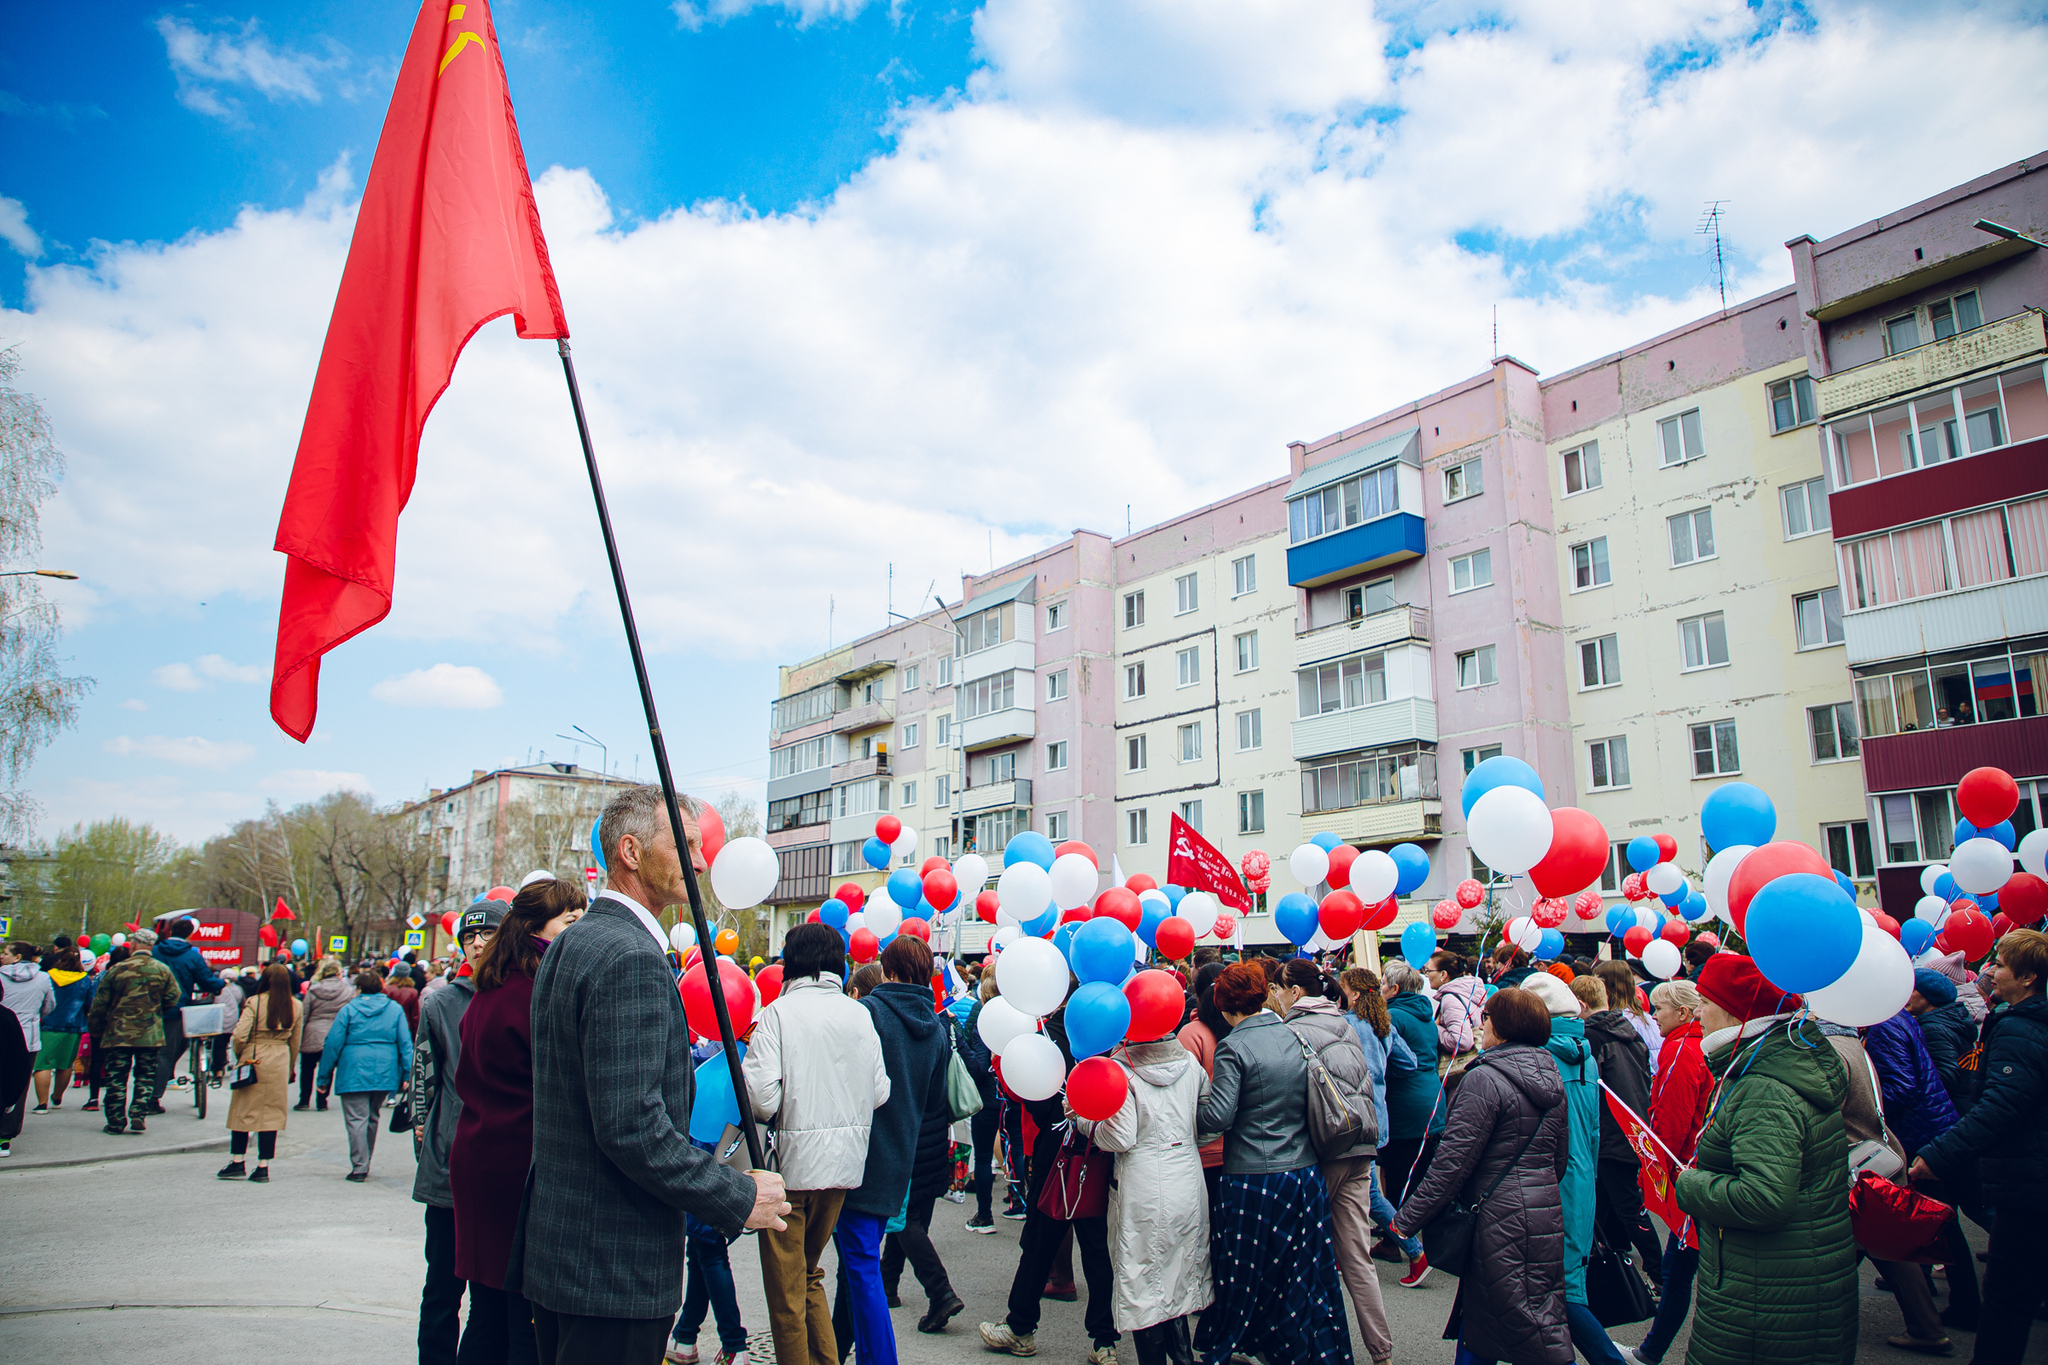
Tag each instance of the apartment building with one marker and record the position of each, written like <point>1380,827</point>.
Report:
<point>504,823</point>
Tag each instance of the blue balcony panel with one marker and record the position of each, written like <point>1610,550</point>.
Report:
<point>1374,545</point>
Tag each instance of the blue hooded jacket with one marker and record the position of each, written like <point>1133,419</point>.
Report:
<point>1582,1106</point>
<point>1414,1110</point>
<point>189,966</point>
<point>369,1045</point>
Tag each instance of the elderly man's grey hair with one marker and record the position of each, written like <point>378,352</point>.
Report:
<point>640,812</point>
<point>1403,978</point>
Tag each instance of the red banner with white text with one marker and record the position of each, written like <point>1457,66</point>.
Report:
<point>1195,863</point>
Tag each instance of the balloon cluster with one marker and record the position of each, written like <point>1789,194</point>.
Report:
<point>1969,902</point>
<point>1364,891</point>
<point>1659,903</point>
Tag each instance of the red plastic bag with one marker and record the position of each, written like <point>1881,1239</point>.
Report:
<point>1897,1222</point>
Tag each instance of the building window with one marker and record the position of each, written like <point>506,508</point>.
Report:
<point>1918,826</point>
<point>1055,617</point>
<point>1472,571</point>
<point>1806,508</point>
<point>1608,762</point>
<point>1582,468</point>
<point>1959,314</point>
<point>910,678</point>
<point>943,730</point>
<point>1832,730</point>
<point>1463,481</point>
<point>1617,867</point>
<point>1056,826</point>
<point>1589,565</point>
<point>1340,686</point>
<point>808,756</point>
<point>812,808</point>
<point>1247,651</point>
<point>1401,772</point>
<point>1251,812</point>
<point>1191,813</point>
<point>985,696</point>
<point>1187,594</point>
<point>1475,668</point>
<point>1250,735</point>
<point>1001,768</point>
<point>1190,736</point>
<point>1818,616</point>
<point>910,735</point>
<point>1134,753</point>
<point>1189,661</point>
<point>1679,437</point>
<point>1849,849</point>
<point>909,794</point>
<point>1056,686</point>
<point>1474,757</point>
<point>1599,662</point>
<point>1705,641</point>
<point>983,630</point>
<point>1901,334</point>
<point>1137,826</point>
<point>1244,575</point>
<point>1791,403</point>
<point>1713,749</point>
<point>1373,494</point>
<point>942,847</point>
<point>1134,680</point>
<point>1479,871</point>
<point>1692,536</point>
<point>945,672</point>
<point>942,791</point>
<point>861,798</point>
<point>1056,756</point>
<point>1134,610</point>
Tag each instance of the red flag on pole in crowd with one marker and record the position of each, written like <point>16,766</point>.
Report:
<point>1195,863</point>
<point>1659,1169</point>
<point>447,238</point>
<point>283,911</point>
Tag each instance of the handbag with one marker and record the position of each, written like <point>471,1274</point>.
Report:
<point>1077,1186</point>
<point>1897,1222</point>
<point>1337,1122</point>
<point>245,1076</point>
<point>1447,1238</point>
<point>401,1112</point>
<point>1614,1287</point>
<point>1876,1155</point>
<point>963,1096</point>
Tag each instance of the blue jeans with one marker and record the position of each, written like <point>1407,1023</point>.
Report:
<point>1588,1336</point>
<point>710,1287</point>
<point>859,1240</point>
<point>1383,1217</point>
<point>1681,1263</point>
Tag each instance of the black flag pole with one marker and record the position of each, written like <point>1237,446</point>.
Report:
<point>668,786</point>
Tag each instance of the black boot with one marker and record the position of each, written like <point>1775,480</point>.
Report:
<point>234,1170</point>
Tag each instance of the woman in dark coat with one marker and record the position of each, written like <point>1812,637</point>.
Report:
<point>931,1174</point>
<point>1505,1148</point>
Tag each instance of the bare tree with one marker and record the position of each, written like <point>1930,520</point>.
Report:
<point>99,878</point>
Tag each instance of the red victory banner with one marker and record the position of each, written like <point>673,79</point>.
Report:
<point>447,239</point>
<point>1660,1168</point>
<point>1193,862</point>
<point>282,911</point>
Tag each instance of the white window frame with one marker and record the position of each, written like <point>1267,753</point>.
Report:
<point>1250,730</point>
<point>1247,650</point>
<point>1251,812</point>
<point>1608,749</point>
<point>1134,680</point>
<point>1187,742</point>
<point>1837,712</point>
<point>1713,728</point>
<point>909,736</point>
<point>1691,520</point>
<point>945,671</point>
<point>1187,664</point>
<point>1706,652</point>
<point>1134,609</point>
<point>942,790</point>
<point>1820,600</point>
<point>1056,685</point>
<point>1191,814</point>
<point>1137,757</point>
<point>1812,494</point>
<point>1187,594</point>
<point>1137,827</point>
<point>1690,440</point>
<point>1599,570</point>
<point>910,684</point>
<point>1799,393</point>
<point>1484,661</point>
<point>1244,575</point>
<point>1462,481</point>
<point>944,732</point>
<point>1472,758</point>
<point>1589,453</point>
<point>909,794</point>
<point>1606,660</point>
<point>1055,617</point>
<point>1471,563</point>
<point>1056,756</point>
<point>1056,826</point>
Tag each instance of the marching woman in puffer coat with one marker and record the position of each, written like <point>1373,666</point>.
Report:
<point>1158,1206</point>
<point>368,1055</point>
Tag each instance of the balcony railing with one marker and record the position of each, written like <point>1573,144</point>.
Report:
<point>875,766</point>
<point>1382,822</point>
<point>1360,633</point>
<point>1931,365</point>
<point>995,796</point>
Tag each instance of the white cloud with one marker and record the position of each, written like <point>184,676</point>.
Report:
<point>221,670</point>
<point>211,668</point>
<point>177,677</point>
<point>694,14</point>
<point>448,686</point>
<point>206,61</point>
<point>288,786</point>
<point>134,704</point>
<point>192,751</point>
<point>15,231</point>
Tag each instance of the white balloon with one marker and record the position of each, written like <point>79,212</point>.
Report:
<point>1032,1065</point>
<point>1524,932</point>
<point>1199,909</point>
<point>1720,868</point>
<point>882,916</point>
<point>1646,916</point>
<point>905,846</point>
<point>1005,920</point>
<point>2034,853</point>
<point>858,920</point>
<point>971,871</point>
<point>1155,894</point>
<point>1933,909</point>
<point>1867,917</point>
<point>1509,829</point>
<point>744,872</point>
<point>1024,890</point>
<point>1006,934</point>
<point>1873,989</point>
<point>1662,959</point>
<point>1032,975</point>
<point>1664,878</point>
<point>683,937</point>
<point>1309,864</point>
<point>1929,875</point>
<point>117,940</point>
<point>1374,876</point>
<point>1000,1021</point>
<point>1073,880</point>
<point>1981,866</point>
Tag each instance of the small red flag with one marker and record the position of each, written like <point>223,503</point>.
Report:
<point>283,911</point>
<point>447,238</point>
<point>1659,1168</point>
<point>1195,863</point>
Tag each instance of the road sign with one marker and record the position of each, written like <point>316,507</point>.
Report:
<point>338,944</point>
<point>6,925</point>
<point>413,921</point>
<point>415,939</point>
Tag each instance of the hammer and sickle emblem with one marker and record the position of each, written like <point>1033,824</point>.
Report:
<point>462,39</point>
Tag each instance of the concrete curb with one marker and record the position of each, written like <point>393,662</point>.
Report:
<point>112,1154</point>
<point>330,1305</point>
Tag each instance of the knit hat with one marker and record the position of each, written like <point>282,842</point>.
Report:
<point>1951,966</point>
<point>1734,983</point>
<point>142,938</point>
<point>481,915</point>
<point>1555,995</point>
<point>1562,972</point>
<point>1937,988</point>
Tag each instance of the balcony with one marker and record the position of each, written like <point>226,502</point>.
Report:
<point>1387,822</point>
<point>995,796</point>
<point>1371,545</point>
<point>998,727</point>
<point>1359,634</point>
<point>796,836</point>
<point>1366,727</point>
<point>863,717</point>
<point>875,766</point>
<point>1939,758</point>
<point>1935,364</point>
<point>1947,621</point>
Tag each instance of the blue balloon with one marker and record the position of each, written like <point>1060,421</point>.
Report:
<point>1295,917</point>
<point>882,943</point>
<point>1063,939</point>
<point>1620,919</point>
<point>1104,951</point>
<point>1411,865</point>
<point>906,888</point>
<point>2002,832</point>
<point>1946,888</point>
<point>1643,853</point>
<point>1418,942</point>
<point>1028,847</point>
<point>834,913</point>
<point>1915,935</point>
<point>1098,1016</point>
<point>1551,946</point>
<point>298,947</point>
<point>714,1107</point>
<point>1045,923</point>
<point>1676,897</point>
<point>1738,813</point>
<point>1326,841</point>
<point>1499,771</point>
<point>1848,887</point>
<point>1988,902</point>
<point>875,853</point>
<point>1803,933</point>
<point>1695,907</point>
<point>597,856</point>
<point>1152,915</point>
<point>1174,894</point>
<point>1490,991</point>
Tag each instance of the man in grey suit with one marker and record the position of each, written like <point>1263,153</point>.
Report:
<point>613,1168</point>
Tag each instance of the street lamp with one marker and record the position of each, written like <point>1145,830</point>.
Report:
<point>603,754</point>
<point>39,573</point>
<point>2010,234</point>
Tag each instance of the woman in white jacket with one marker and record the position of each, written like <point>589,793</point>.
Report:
<point>1158,1205</point>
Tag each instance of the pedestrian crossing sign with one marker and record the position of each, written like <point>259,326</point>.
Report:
<point>6,925</point>
<point>415,939</point>
<point>338,944</point>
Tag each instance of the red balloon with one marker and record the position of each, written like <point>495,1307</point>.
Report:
<point>1589,905</point>
<point>917,929</point>
<point>851,896</point>
<point>924,868</point>
<point>1341,859</point>
<point>1446,914</point>
<point>1675,931</point>
<point>449,921</point>
<point>739,999</point>
<point>888,829</point>
<point>1967,929</point>
<point>2024,899</point>
<point>1886,922</point>
<point>710,831</point>
<point>941,888</point>
<point>1140,883</point>
<point>1175,938</point>
<point>1578,853</point>
<point>813,918</point>
<point>1548,912</point>
<point>865,947</point>
<point>1632,887</point>
<point>1075,846</point>
<point>1986,796</point>
<point>1157,1004</point>
<point>1080,914</point>
<point>500,893</point>
<point>1711,939</point>
<point>691,958</point>
<point>268,935</point>
<point>769,983</point>
<point>1470,893</point>
<point>1381,915</point>
<point>1999,924</point>
<point>1768,863</point>
<point>1226,928</point>
<point>1341,914</point>
<point>986,905</point>
<point>1097,1088</point>
<point>1667,847</point>
<point>1120,903</point>
<point>1635,940</point>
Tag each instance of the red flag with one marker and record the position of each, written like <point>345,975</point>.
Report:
<point>447,238</point>
<point>283,911</point>
<point>1659,1168</point>
<point>1194,862</point>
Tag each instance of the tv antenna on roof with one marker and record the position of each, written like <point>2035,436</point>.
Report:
<point>1710,226</point>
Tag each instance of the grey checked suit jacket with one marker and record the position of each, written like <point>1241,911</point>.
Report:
<point>614,1169</point>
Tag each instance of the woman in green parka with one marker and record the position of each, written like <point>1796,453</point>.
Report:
<point>1770,1190</point>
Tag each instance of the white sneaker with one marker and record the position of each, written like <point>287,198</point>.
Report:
<point>1634,1357</point>
<point>731,1358</point>
<point>954,1196</point>
<point>1102,1355</point>
<point>679,1354</point>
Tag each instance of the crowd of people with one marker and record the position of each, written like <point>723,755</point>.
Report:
<point>546,1078</point>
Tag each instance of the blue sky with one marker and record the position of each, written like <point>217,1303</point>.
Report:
<point>854,285</point>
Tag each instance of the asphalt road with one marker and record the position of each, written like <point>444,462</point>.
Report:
<point>149,1257</point>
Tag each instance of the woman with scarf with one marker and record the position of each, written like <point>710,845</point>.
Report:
<point>1678,1110</point>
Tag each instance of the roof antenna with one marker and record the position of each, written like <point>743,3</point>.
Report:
<point>1496,332</point>
<point>1710,226</point>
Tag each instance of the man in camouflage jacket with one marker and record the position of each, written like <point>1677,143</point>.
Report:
<point>127,1020</point>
